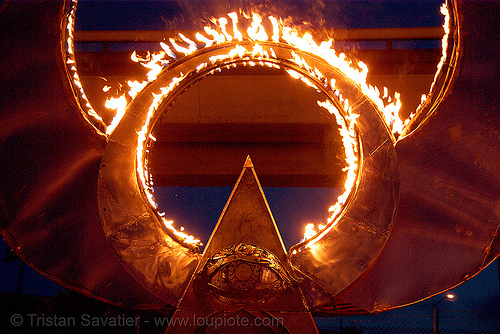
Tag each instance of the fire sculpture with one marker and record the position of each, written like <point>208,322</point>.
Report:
<point>441,175</point>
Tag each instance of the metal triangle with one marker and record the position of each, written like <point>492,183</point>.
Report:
<point>248,163</point>
<point>247,218</point>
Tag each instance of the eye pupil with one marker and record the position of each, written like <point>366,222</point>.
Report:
<point>243,272</point>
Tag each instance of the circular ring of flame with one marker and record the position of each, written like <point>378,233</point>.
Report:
<point>282,61</point>
<point>131,222</point>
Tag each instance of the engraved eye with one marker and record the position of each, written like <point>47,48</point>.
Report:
<point>244,273</point>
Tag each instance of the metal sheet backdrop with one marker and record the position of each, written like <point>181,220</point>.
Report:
<point>445,231</point>
<point>49,159</point>
<point>446,228</point>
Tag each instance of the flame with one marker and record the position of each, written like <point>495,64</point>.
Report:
<point>236,32</point>
<point>444,43</point>
<point>357,73</point>
<point>142,169</point>
<point>71,65</point>
<point>135,87</point>
<point>310,231</point>
<point>190,48</point>
<point>119,104</point>
<point>225,32</point>
<point>154,61</point>
<point>348,134</point>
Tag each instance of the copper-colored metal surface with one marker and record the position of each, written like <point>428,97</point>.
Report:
<point>447,225</point>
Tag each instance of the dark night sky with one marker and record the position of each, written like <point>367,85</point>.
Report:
<point>208,203</point>
<point>185,14</point>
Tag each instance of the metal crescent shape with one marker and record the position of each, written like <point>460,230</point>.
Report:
<point>449,214</point>
<point>164,264</point>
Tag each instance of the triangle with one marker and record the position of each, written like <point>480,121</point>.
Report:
<point>237,274</point>
<point>246,218</point>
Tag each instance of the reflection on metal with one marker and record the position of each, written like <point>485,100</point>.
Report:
<point>445,231</point>
<point>245,267</point>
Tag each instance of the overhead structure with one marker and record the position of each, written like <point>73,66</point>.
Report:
<point>422,215</point>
